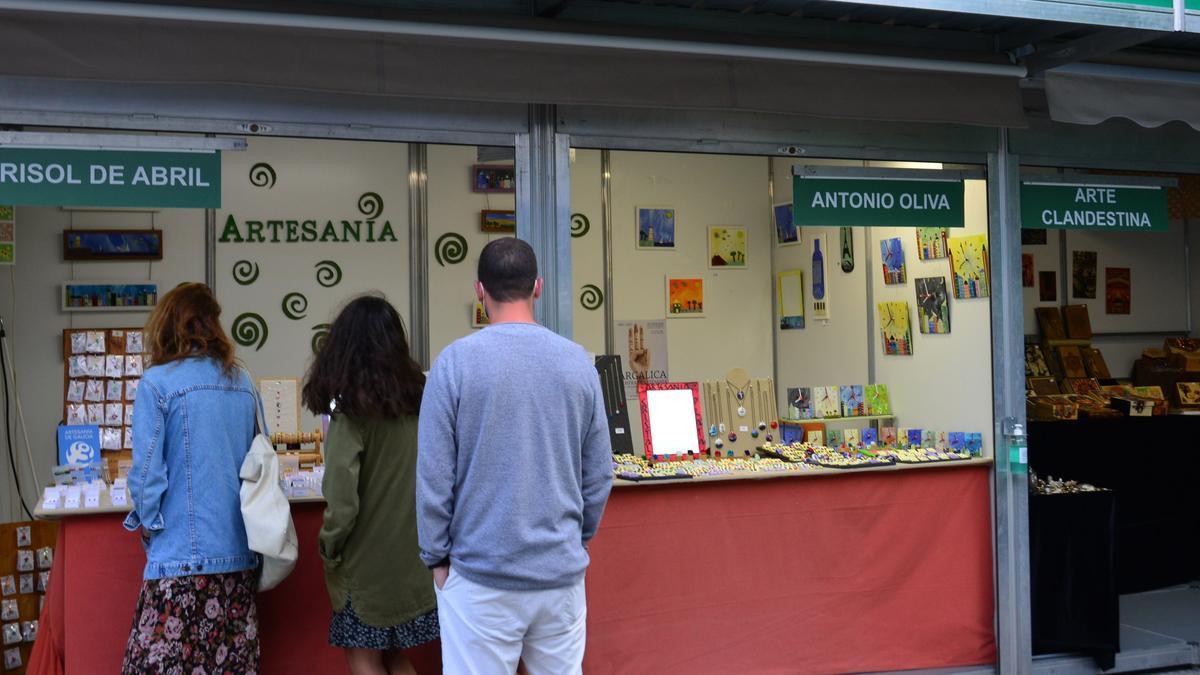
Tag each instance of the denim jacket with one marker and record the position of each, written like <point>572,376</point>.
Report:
<point>192,427</point>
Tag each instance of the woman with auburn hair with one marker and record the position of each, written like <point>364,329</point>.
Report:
<point>193,423</point>
<point>382,593</point>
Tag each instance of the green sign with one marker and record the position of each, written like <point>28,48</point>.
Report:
<point>148,179</point>
<point>882,202</point>
<point>1101,207</point>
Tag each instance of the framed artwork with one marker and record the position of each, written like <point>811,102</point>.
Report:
<point>655,228</point>
<point>891,252</point>
<point>685,297</point>
<point>1083,274</point>
<point>672,422</point>
<point>971,265</point>
<point>786,231</point>
<point>726,246</point>
<point>931,243</point>
<point>820,282</point>
<point>8,234</point>
<point>894,326</point>
<point>502,221</point>
<point>493,178</point>
<point>1027,270</point>
<point>933,305</point>
<point>114,296</point>
<point>1188,393</point>
<point>1118,290</point>
<point>1048,286</point>
<point>1033,237</point>
<point>112,244</point>
<point>789,290</point>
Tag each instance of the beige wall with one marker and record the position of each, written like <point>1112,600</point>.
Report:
<point>30,301</point>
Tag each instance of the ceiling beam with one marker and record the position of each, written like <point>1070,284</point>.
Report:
<point>1088,47</point>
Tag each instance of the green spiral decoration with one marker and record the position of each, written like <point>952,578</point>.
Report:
<point>450,248</point>
<point>592,297</point>
<point>250,330</point>
<point>580,225</point>
<point>295,306</point>
<point>245,272</point>
<point>320,336</point>
<point>370,204</point>
<point>329,273</point>
<point>262,175</point>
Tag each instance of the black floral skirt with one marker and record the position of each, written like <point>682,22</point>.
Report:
<point>346,630</point>
<point>195,624</point>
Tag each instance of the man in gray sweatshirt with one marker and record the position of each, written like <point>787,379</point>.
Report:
<point>513,471</point>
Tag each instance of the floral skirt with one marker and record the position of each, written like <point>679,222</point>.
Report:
<point>202,624</point>
<point>346,630</point>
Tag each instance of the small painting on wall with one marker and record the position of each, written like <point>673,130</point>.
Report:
<point>933,305</point>
<point>1118,290</point>
<point>893,323</point>
<point>112,244</point>
<point>493,178</point>
<point>891,251</point>
<point>786,232</point>
<point>789,289</point>
<point>931,243</point>
<point>726,246</point>
<point>99,296</point>
<point>685,297</point>
<point>501,221</point>
<point>1083,274</point>
<point>1027,270</point>
<point>971,265</point>
<point>655,228</point>
<point>1048,286</point>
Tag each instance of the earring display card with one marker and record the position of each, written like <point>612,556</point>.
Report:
<point>615,406</point>
<point>101,371</point>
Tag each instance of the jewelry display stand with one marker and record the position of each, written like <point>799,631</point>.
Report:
<point>615,406</point>
<point>740,413</point>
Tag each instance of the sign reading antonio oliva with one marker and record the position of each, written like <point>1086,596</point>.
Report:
<point>145,179</point>
<point>876,202</point>
<point>1094,207</point>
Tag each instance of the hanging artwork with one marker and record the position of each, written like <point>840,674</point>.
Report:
<point>1048,286</point>
<point>931,243</point>
<point>112,244</point>
<point>789,289</point>
<point>1083,274</point>
<point>933,305</point>
<point>643,352</point>
<point>891,252</point>
<point>479,316</point>
<point>786,232</point>
<point>1118,290</point>
<point>655,228</point>
<point>502,221</point>
<point>1033,237</point>
<point>685,297</point>
<point>1027,270</point>
<point>847,239</point>
<point>726,246</point>
<point>894,326</point>
<point>820,283</point>
<point>96,296</point>
<point>971,266</point>
<point>8,235</point>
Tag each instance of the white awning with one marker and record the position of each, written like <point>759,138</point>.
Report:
<point>1087,93</point>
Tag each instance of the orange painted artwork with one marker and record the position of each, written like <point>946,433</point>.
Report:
<point>685,297</point>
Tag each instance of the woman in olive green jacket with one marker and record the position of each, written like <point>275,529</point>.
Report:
<point>382,593</point>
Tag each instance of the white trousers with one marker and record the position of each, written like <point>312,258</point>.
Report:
<point>486,630</point>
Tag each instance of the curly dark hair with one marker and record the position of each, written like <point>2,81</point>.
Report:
<point>364,365</point>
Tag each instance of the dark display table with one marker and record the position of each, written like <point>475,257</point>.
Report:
<point>1072,575</point>
<point>1151,464</point>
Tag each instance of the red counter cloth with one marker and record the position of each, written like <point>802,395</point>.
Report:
<point>95,583</point>
<point>867,572</point>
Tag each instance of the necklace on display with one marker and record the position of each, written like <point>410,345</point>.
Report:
<point>740,394</point>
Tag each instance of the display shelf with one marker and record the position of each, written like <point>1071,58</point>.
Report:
<point>814,472</point>
<point>107,507</point>
<point>826,420</point>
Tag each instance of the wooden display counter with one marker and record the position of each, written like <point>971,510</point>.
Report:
<point>869,570</point>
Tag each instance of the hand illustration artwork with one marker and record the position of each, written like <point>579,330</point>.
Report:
<point>639,356</point>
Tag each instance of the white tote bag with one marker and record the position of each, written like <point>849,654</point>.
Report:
<point>265,510</point>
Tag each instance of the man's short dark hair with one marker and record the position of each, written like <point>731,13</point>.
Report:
<point>508,269</point>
